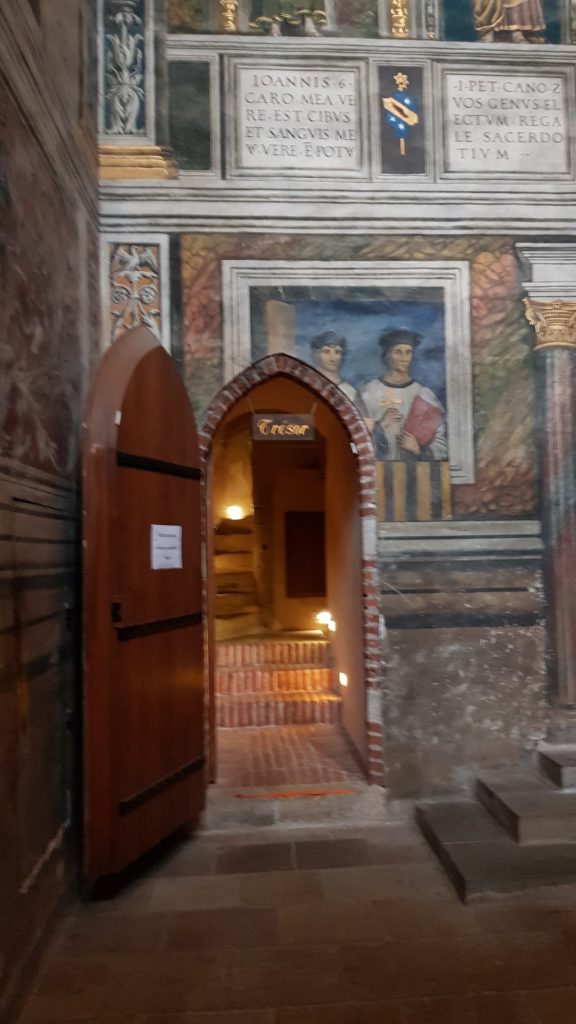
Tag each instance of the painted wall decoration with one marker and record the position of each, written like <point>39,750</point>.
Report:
<point>40,358</point>
<point>136,276</point>
<point>483,20</point>
<point>404,344</point>
<point>502,378</point>
<point>493,21</point>
<point>135,296</point>
<point>124,69</point>
<point>403,136</point>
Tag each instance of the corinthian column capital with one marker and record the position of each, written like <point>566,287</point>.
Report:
<point>554,323</point>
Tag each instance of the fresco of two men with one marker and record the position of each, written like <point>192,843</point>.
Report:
<point>406,418</point>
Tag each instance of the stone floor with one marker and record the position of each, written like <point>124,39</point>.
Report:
<point>309,927</point>
<point>285,755</point>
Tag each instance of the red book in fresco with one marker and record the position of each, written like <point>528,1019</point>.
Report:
<point>423,420</point>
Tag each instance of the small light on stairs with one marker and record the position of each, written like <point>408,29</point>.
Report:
<point>343,679</point>
<point>234,512</point>
<point>324,618</point>
<point>332,626</point>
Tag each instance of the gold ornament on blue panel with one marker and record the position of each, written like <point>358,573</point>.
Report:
<point>401,110</point>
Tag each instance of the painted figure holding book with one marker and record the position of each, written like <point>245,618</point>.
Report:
<point>409,421</point>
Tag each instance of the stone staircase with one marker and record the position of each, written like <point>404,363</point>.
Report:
<point>519,834</point>
<point>275,681</point>
<point>236,611</point>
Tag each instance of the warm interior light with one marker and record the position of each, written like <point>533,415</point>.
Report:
<point>332,626</point>
<point>324,618</point>
<point>234,512</point>
<point>343,679</point>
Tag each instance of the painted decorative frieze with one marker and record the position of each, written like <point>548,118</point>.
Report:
<point>431,19</point>
<point>228,11</point>
<point>135,271</point>
<point>134,288</point>
<point>399,22</point>
<point>125,68</point>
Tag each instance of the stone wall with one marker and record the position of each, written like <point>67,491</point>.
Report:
<point>48,333</point>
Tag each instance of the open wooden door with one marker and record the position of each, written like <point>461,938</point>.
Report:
<point>143,650</point>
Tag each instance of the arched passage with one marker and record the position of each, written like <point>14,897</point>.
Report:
<point>278,380</point>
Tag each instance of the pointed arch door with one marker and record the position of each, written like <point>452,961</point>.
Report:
<point>143,644</point>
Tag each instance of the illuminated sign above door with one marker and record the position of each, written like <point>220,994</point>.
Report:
<point>274,426</point>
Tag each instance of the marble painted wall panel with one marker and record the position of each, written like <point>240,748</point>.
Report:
<point>49,332</point>
<point>501,359</point>
<point>40,261</point>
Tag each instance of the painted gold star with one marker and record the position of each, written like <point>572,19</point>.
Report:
<point>402,81</point>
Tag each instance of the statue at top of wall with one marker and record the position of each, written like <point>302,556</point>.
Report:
<point>516,21</point>
<point>289,17</point>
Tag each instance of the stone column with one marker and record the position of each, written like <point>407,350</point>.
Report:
<point>570,20</point>
<point>551,309</point>
<point>133,95</point>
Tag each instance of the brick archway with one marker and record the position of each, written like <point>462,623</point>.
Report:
<point>343,409</point>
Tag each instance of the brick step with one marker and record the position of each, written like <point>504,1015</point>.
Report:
<point>305,678</point>
<point>273,653</point>
<point>233,543</point>
<point>235,583</point>
<point>234,604</point>
<point>233,561</point>
<point>296,708</point>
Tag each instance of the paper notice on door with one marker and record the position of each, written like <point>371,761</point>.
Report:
<point>165,547</point>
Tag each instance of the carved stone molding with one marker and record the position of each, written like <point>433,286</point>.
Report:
<point>554,323</point>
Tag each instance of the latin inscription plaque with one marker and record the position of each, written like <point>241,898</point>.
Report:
<point>298,119</point>
<point>505,123</point>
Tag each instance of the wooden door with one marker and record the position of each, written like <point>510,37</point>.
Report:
<point>143,649</point>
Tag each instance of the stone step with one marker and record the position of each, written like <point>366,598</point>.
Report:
<point>349,803</point>
<point>558,764</point>
<point>481,860</point>
<point>296,708</point>
<point>273,652</point>
<point>235,583</point>
<point>234,604</point>
<point>528,807</point>
<point>273,680</point>
<point>233,561</point>
<point>229,626</point>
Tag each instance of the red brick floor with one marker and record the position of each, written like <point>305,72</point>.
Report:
<point>285,755</point>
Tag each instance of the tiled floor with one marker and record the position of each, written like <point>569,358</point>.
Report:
<point>285,755</point>
<point>310,927</point>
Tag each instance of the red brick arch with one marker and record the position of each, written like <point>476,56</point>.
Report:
<point>345,411</point>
